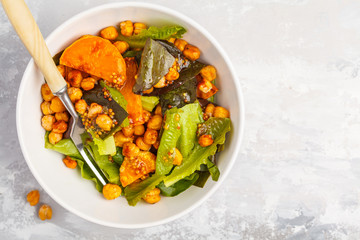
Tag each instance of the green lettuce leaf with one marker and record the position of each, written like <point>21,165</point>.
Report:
<point>118,157</point>
<point>166,32</point>
<point>105,146</point>
<point>135,191</point>
<point>213,170</point>
<point>203,177</point>
<point>179,186</point>
<point>155,63</point>
<point>148,103</point>
<point>64,146</point>
<point>217,127</point>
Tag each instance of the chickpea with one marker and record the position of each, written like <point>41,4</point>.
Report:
<point>60,127</point>
<point>142,145</point>
<point>56,105</point>
<point>62,116</point>
<point>33,197</point>
<point>139,130</point>
<point>120,139</point>
<point>81,106</point>
<point>221,112</point>
<point>54,138</point>
<point>128,131</point>
<point>172,75</point>
<point>205,89</point>
<point>130,150</point>
<point>149,90</point>
<point>104,122</point>
<point>88,83</point>
<point>138,27</point>
<point>75,94</point>
<point>47,122</point>
<point>126,28</point>
<point>209,110</point>
<point>178,157</point>
<point>109,33</point>
<point>153,196</point>
<point>205,86</point>
<point>191,52</point>
<point>46,92</point>
<point>45,212</point>
<point>111,191</point>
<point>156,144</point>
<point>180,44</point>
<point>208,73</point>
<point>61,69</point>
<point>171,40</point>
<point>70,163</point>
<point>161,83</point>
<point>150,136</point>
<point>75,78</point>
<point>122,46</point>
<point>205,140</point>
<point>45,108</point>
<point>94,110</point>
<point>155,122</point>
<point>158,110</point>
<point>146,115</point>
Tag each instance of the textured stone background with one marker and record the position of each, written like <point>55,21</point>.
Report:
<point>299,170</point>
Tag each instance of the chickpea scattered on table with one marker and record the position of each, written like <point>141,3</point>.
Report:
<point>33,197</point>
<point>45,212</point>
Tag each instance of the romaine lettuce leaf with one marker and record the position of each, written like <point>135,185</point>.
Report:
<point>64,146</point>
<point>217,127</point>
<point>105,146</point>
<point>166,32</point>
<point>135,191</point>
<point>213,169</point>
<point>118,157</point>
<point>155,63</point>
<point>179,186</point>
<point>203,177</point>
<point>149,102</point>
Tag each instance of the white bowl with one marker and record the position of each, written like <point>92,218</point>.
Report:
<point>66,186</point>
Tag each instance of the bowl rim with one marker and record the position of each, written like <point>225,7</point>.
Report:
<point>238,135</point>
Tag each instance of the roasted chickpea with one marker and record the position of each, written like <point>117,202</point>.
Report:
<point>155,122</point>
<point>54,138</point>
<point>60,127</point>
<point>120,139</point>
<point>56,105</point>
<point>158,110</point>
<point>172,75</point>
<point>150,136</point>
<point>205,89</point>
<point>128,131</point>
<point>75,78</point>
<point>221,112</point>
<point>111,191</point>
<point>62,116</point>
<point>146,115</point>
<point>81,106</point>
<point>126,28</point>
<point>208,73</point>
<point>45,108</point>
<point>191,52</point>
<point>156,144</point>
<point>138,27</point>
<point>70,163</point>
<point>61,69</point>
<point>88,83</point>
<point>177,157</point>
<point>109,33</point>
<point>153,196</point>
<point>47,122</point>
<point>142,145</point>
<point>171,40</point>
<point>204,86</point>
<point>122,46</point>
<point>75,94</point>
<point>209,110</point>
<point>205,140</point>
<point>33,197</point>
<point>130,150</point>
<point>149,90</point>
<point>139,130</point>
<point>104,122</point>
<point>180,44</point>
<point>46,92</point>
<point>94,110</point>
<point>161,83</point>
<point>45,212</point>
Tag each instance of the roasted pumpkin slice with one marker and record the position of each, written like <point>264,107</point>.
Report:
<point>134,168</point>
<point>134,107</point>
<point>96,56</point>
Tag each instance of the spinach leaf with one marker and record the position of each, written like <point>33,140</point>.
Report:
<point>179,186</point>
<point>166,32</point>
<point>135,54</point>
<point>155,63</point>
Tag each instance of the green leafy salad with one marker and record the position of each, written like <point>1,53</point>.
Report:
<point>148,106</point>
